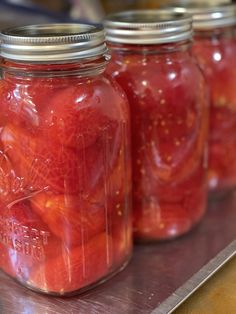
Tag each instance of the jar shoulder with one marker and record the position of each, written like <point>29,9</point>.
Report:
<point>39,100</point>
<point>175,77</point>
<point>157,66</point>
<point>219,54</point>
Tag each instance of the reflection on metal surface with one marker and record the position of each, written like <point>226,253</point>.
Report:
<point>181,294</point>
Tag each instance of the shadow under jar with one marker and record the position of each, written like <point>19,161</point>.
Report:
<point>65,182</point>
<point>215,49</point>
<point>151,60</point>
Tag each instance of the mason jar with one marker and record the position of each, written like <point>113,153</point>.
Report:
<point>215,49</point>
<point>65,182</point>
<point>152,61</point>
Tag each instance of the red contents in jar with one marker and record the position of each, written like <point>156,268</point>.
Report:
<point>24,240</point>
<point>81,267</point>
<point>65,178</point>
<point>82,219</point>
<point>59,167</point>
<point>169,130</point>
<point>216,56</point>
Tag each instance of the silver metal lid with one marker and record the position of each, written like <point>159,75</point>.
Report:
<point>148,27</point>
<point>206,16</point>
<point>52,42</point>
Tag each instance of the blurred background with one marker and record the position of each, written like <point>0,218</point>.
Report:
<point>22,12</point>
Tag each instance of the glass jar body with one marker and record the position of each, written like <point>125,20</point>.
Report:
<point>65,179</point>
<point>215,51</point>
<point>169,119</point>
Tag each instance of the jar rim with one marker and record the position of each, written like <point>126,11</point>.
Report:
<point>148,27</point>
<point>53,42</point>
<point>208,16</point>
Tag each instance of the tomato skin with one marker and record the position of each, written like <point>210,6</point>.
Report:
<point>216,57</point>
<point>169,109</point>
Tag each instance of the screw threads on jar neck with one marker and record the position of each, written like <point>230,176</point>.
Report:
<point>53,43</point>
<point>208,17</point>
<point>147,27</point>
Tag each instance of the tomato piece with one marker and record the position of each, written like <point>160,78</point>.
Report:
<point>73,220</point>
<point>75,268</point>
<point>175,193</point>
<point>166,210</point>
<point>44,165</point>
<point>74,118</point>
<point>154,220</point>
<point>167,151</point>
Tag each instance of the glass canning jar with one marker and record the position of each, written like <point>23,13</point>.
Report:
<point>151,60</point>
<point>215,49</point>
<point>65,183</point>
